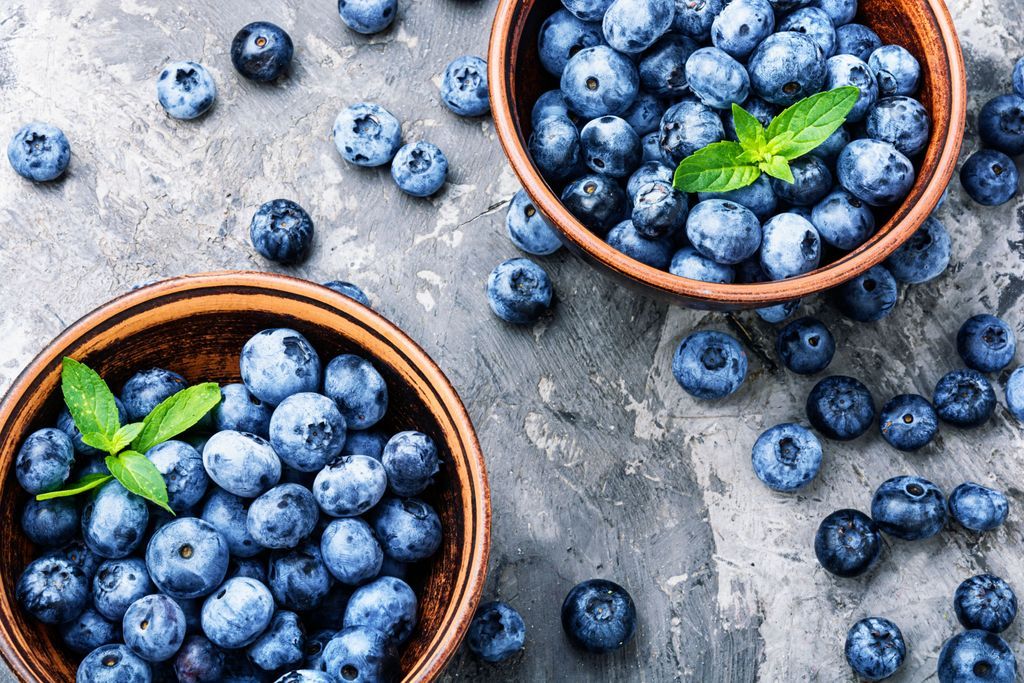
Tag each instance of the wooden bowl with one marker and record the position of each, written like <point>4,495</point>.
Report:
<point>196,326</point>
<point>922,26</point>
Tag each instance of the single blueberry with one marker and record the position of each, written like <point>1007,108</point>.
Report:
<point>367,16</point>
<point>419,169</point>
<point>113,663</point>
<point>185,90</point>
<point>237,613</point>
<point>805,346</point>
<point>53,589</point>
<point>875,172</point>
<point>687,127</point>
<point>528,229</point>
<point>786,457</point>
<point>367,134</point>
<point>281,645</point>
<point>786,67</point>
<point>298,578</point>
<point>154,628</point>
<point>875,648</point>
<point>240,411</point>
<point>741,26</point>
<point>758,197</point>
<point>408,529</point>
<point>598,616</point>
<point>663,68</point>
<point>386,604</point>
<point>114,521</point>
<point>717,79</point>
<point>44,460</point>
<point>869,297</point>
<point>51,522</point>
<point>598,81</point>
<point>978,507</point>
<point>350,290</point>
<point>199,661</point>
<point>351,551</point>
<point>39,152</point>
<point>359,390</point>
<point>307,431</point>
<point>986,343</point>
<point>632,26</point>
<point>840,407</point>
<point>262,51</point>
<point>654,252</point>
<point>561,36</point>
<point>362,654</point>
<point>812,181</point>
<point>240,463</point>
<point>976,656</point>
<point>659,210</point>
<point>901,121</point>
<point>985,602</point>
<point>989,177</point>
<point>908,422</point>
<point>846,70</point>
<point>187,558</point>
<point>842,220</point>
<point>282,516</point>
<point>790,246</point>
<point>183,473</point>
<point>857,40</point>
<point>464,86</point>
<point>145,390</point>
<point>723,231</point>
<point>648,172</point>
<point>689,263</point>
<point>909,507</point>
<point>964,398</point>
<point>519,291</point>
<point>924,256</point>
<point>89,631</point>
<point>277,363</point>
<point>898,72</point>
<point>610,146</point>
<point>596,201</point>
<point>555,147</point>
<point>496,633</point>
<point>814,23</point>
<point>847,543</point>
<point>119,583</point>
<point>350,485</point>
<point>282,231</point>
<point>709,364</point>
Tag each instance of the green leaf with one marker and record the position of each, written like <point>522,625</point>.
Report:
<point>749,131</point>
<point>89,400</point>
<point>176,414</point>
<point>125,435</point>
<point>778,167</point>
<point>140,476</point>
<point>99,441</point>
<point>86,483</point>
<point>715,169</point>
<point>800,128</point>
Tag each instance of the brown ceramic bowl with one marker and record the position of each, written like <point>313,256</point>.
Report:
<point>196,326</point>
<point>922,26</point>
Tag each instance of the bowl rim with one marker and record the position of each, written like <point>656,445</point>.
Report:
<point>504,35</point>
<point>441,648</point>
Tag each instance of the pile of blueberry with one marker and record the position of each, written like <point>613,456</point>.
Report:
<point>990,175</point>
<point>646,83</point>
<point>297,522</point>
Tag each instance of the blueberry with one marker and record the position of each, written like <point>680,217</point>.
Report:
<point>555,147</point>
<point>816,24</point>
<point>496,633</point>
<point>367,16</point>
<point>237,613</point>
<point>367,134</point>
<point>847,543</point>
<point>709,364</point>
<point>182,469</point>
<point>908,422</point>
<point>44,460</point>
<point>964,398</point>
<point>528,229</point>
<point>875,648</point>
<point>314,651</point>
<point>350,290</point>
<point>687,127</point>
<point>910,508</point>
<point>857,40</point>
<point>812,181</point>
<point>386,604</point>
<point>240,463</point>
<point>648,172</point>
<point>350,551</point>
<point>598,616</point>
<point>77,553</point>
<point>833,146</point>
<point>359,390</point>
<point>350,485</point>
<point>1015,393</point>
<point>50,522</point>
<point>282,516</point>
<point>869,297</point>
<point>66,424</point>
<point>785,68</point>
<point>985,602</point>
<point>924,256</point>
<point>306,676</point>
<point>281,644</point>
<point>610,146</point>
<point>644,115</point>
<point>978,507</point>
<point>786,457</point>
<point>986,343</point>
<point>519,291</point>
<point>694,18</point>
<point>154,628</point>
<point>298,578</point>
<point>632,26</point>
<point>688,263</point>
<point>464,86</point>
<point>119,583</point>
<point>409,530</point>
<point>842,220</point>
<point>723,231</point>
<point>369,442</point>
<point>89,631</point>
<point>307,431</point>
<point>659,210</point>
<point>758,197</point>
<point>199,661</point>
<point>717,79</point>
<point>53,589</point>
<point>561,36</point>
<point>663,67</point>
<point>777,313</point>
<point>790,246</point>
<point>186,90</point>
<point>262,52</point>
<point>587,10</point>
<point>976,656</point>
<point>240,411</point>
<point>419,169</point>
<point>741,26</point>
<point>114,521</point>
<point>903,122</point>
<point>805,346</point>
<point>39,152</point>
<point>598,81</point>
<point>989,177</point>
<point>846,70</point>
<point>282,231</point>
<point>145,390</point>
<point>898,72</point>
<point>187,558</point>
<point>840,407</point>
<point>596,201</point>
<point>361,654</point>
<point>227,513</point>
<point>113,664</point>
<point>277,363</point>
<point>656,253</point>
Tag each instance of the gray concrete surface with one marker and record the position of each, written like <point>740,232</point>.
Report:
<point>600,465</point>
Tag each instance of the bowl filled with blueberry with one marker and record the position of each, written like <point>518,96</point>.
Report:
<point>238,476</point>
<point>730,154</point>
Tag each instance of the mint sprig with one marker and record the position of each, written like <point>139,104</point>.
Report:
<point>94,410</point>
<point>797,130</point>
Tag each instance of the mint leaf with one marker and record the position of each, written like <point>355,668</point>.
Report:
<point>715,169</point>
<point>176,414</point>
<point>125,435</point>
<point>89,400</point>
<point>140,476</point>
<point>749,131</point>
<point>777,167</point>
<point>99,441</point>
<point>86,483</point>
<point>799,129</point>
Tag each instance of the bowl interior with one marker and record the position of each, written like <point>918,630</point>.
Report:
<point>196,327</point>
<point>922,26</point>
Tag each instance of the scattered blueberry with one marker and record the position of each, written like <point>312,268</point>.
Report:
<point>910,508</point>
<point>519,291</point>
<point>986,343</point>
<point>978,507</point>
<point>964,398</point>
<point>367,16</point>
<point>924,256</point>
<point>419,169</point>
<point>367,134</point>
<point>186,90</point>
<point>847,543</point>
<point>528,229</point>
<point>350,290</point>
<point>464,86</point>
<point>869,297</point>
<point>709,364</point>
<point>262,52</point>
<point>786,457</point>
<point>908,422</point>
<point>282,231</point>
<point>875,648</point>
<point>985,602</point>
<point>805,346</point>
<point>989,177</point>
<point>598,616</point>
<point>840,407</point>
<point>976,656</point>
<point>39,152</point>
<point>496,633</point>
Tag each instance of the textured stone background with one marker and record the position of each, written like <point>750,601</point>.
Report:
<point>600,465</point>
